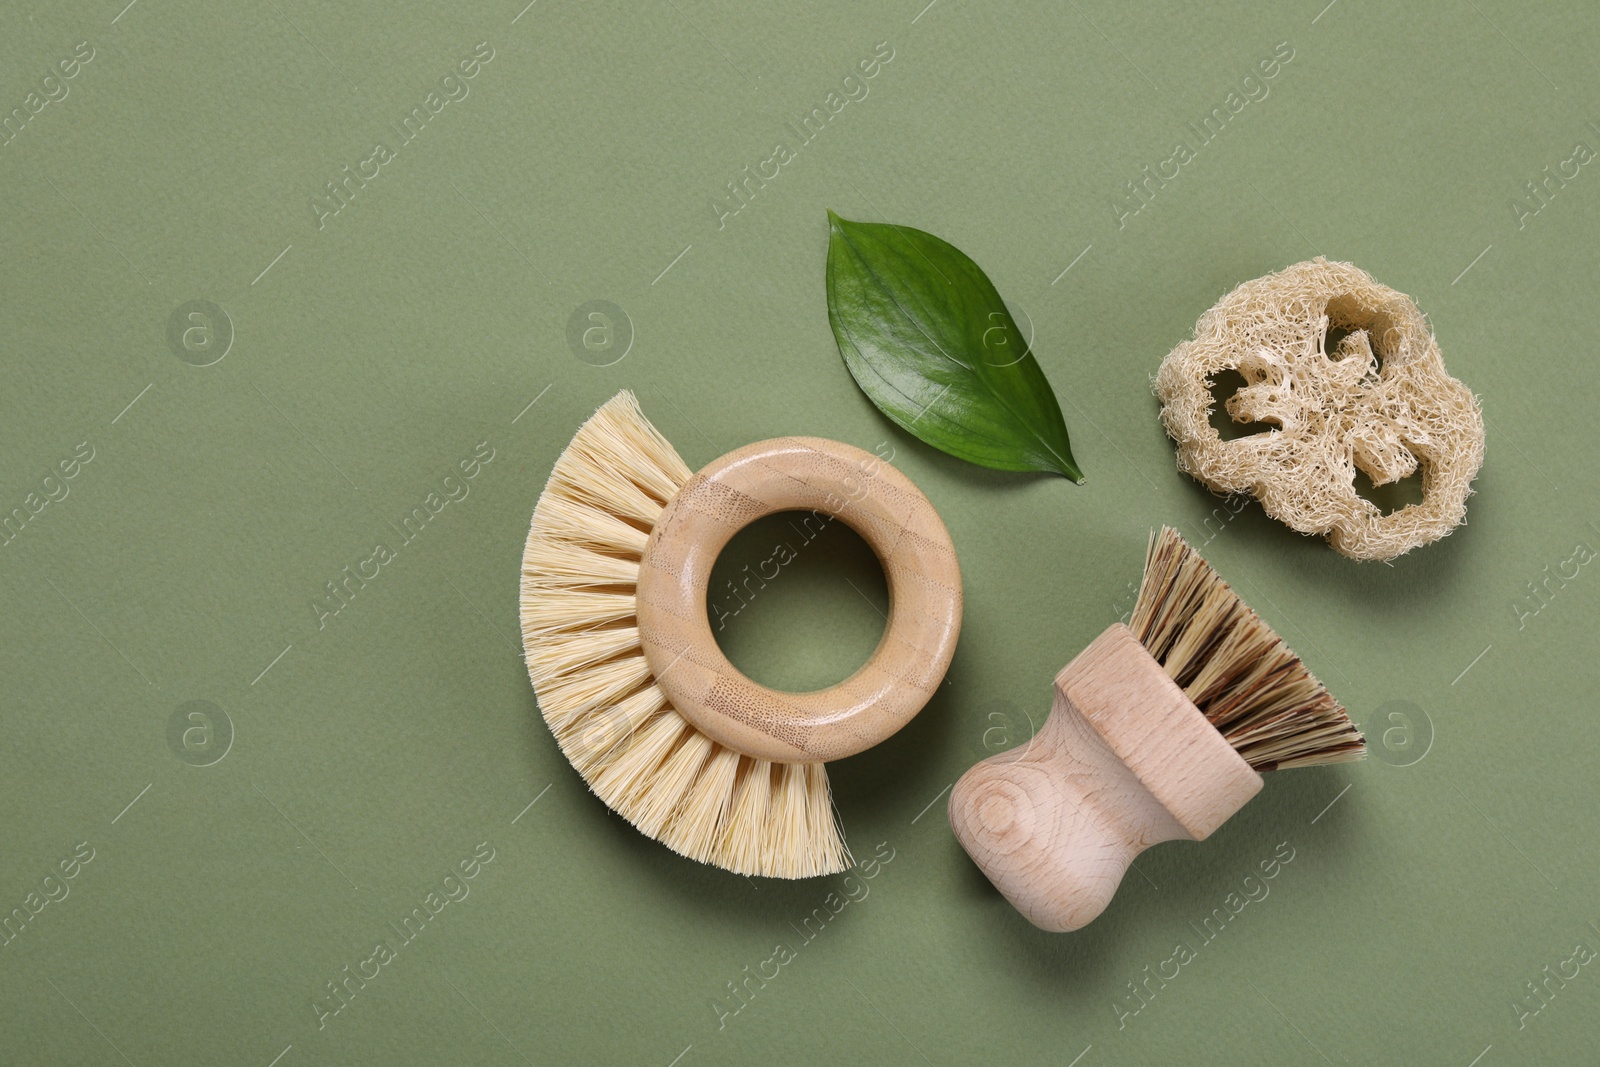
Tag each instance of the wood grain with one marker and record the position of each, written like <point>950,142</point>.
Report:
<point>1124,761</point>
<point>832,480</point>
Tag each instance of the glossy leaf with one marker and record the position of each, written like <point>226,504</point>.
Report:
<point>931,343</point>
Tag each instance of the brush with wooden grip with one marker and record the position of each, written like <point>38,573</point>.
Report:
<point>1158,733</point>
<point>628,673</point>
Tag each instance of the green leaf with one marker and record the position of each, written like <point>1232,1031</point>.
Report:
<point>931,343</point>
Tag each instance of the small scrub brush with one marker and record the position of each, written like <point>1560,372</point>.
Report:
<point>1158,732</point>
<point>631,681</point>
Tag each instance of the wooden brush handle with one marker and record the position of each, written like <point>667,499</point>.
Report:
<point>830,480</point>
<point>1124,761</point>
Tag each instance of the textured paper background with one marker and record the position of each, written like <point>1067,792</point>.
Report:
<point>362,362</point>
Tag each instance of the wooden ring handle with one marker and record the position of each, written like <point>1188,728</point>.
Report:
<point>830,480</point>
<point>1124,761</point>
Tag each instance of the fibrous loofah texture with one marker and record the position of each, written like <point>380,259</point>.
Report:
<point>581,639</point>
<point>1381,401</point>
<point>1233,667</point>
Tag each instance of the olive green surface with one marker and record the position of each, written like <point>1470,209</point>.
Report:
<point>224,787</point>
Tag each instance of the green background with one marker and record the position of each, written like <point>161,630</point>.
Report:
<point>371,754</point>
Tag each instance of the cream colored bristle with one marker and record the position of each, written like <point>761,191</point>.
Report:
<point>595,690</point>
<point>744,834</point>
<point>627,780</point>
<point>590,744</point>
<point>559,564</point>
<point>1234,668</point>
<point>660,794</point>
<point>786,818</point>
<point>559,611</point>
<point>592,689</point>
<point>696,832</point>
<point>826,853</point>
<point>570,653</point>
<point>801,811</point>
<point>567,524</point>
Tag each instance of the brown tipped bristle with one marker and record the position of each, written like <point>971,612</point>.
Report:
<point>1240,674</point>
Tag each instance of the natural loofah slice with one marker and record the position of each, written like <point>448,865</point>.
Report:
<point>1380,401</point>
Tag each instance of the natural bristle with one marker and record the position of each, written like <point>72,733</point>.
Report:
<point>1235,669</point>
<point>581,640</point>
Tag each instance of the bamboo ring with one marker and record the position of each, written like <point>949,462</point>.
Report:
<point>830,480</point>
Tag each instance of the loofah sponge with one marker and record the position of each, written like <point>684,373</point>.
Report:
<point>1380,401</point>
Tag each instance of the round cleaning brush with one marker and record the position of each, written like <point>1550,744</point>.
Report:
<point>631,681</point>
<point>1157,734</point>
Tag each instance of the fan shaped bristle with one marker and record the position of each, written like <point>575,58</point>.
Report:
<point>593,744</point>
<point>706,801</point>
<point>801,812</point>
<point>581,639</point>
<point>744,832</point>
<point>1235,669</point>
